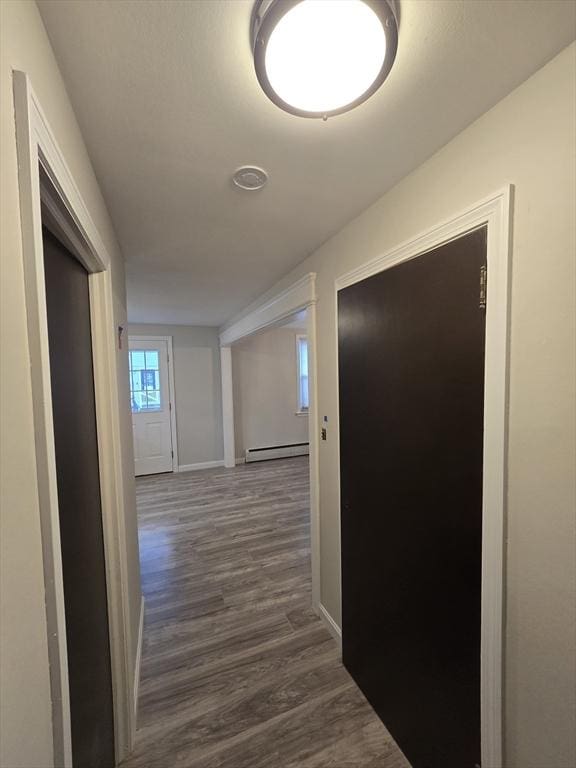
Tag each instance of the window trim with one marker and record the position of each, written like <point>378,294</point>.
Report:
<point>300,409</point>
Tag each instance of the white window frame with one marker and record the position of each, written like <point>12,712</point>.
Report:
<point>301,410</point>
<point>134,392</point>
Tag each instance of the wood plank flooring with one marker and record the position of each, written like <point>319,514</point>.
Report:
<point>237,671</point>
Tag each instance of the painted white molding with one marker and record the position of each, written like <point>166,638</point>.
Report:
<point>296,297</point>
<point>495,212</point>
<point>28,127</point>
<point>40,159</point>
<point>314,452</point>
<point>48,153</point>
<point>331,624</point>
<point>138,659</point>
<point>441,233</point>
<point>494,490</point>
<point>227,407</point>
<point>112,493</point>
<point>200,465</point>
<point>171,389</point>
<point>240,460</point>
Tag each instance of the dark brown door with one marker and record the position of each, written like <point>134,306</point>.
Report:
<point>411,356</point>
<point>72,379</point>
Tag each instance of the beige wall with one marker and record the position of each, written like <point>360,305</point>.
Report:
<point>528,140</point>
<point>198,389</point>
<point>25,725</point>
<point>265,391</point>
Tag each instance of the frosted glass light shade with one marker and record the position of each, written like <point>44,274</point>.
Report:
<point>321,57</point>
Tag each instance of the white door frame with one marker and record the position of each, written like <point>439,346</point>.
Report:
<point>495,212</point>
<point>299,296</point>
<point>37,147</point>
<point>171,389</point>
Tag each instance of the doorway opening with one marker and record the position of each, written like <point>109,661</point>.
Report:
<point>271,392</point>
<point>79,505</point>
<point>290,303</point>
<point>232,640</point>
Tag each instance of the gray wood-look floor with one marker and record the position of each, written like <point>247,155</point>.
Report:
<point>237,671</point>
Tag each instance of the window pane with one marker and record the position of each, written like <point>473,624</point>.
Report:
<point>137,360</point>
<point>138,401</point>
<point>151,360</point>
<point>144,380</point>
<point>153,401</point>
<point>303,392</point>
<point>148,379</point>
<point>302,373</point>
<point>303,345</point>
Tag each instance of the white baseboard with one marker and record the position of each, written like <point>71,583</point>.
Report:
<point>240,460</point>
<point>137,663</point>
<point>200,465</point>
<point>331,625</point>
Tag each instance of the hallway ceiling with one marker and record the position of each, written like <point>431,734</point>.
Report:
<point>169,106</point>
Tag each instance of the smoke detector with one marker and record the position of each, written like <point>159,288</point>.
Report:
<point>250,177</point>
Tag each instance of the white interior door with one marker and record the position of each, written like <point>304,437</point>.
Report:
<point>151,407</point>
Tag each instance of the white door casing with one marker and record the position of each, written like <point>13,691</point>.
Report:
<point>39,154</point>
<point>151,396</point>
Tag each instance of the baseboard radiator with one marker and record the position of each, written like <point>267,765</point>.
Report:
<point>277,452</point>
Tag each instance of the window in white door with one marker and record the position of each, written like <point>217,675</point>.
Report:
<point>145,392</point>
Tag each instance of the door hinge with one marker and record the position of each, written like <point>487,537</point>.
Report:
<point>172,452</point>
<point>483,283</point>
<point>170,406</point>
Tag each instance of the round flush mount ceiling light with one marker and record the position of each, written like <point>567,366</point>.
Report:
<point>250,177</point>
<point>319,58</point>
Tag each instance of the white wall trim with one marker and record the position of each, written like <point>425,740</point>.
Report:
<point>138,659</point>
<point>104,342</point>
<point>227,407</point>
<point>272,312</point>
<point>200,465</point>
<point>314,452</point>
<point>331,624</point>
<point>171,389</point>
<point>495,212</point>
<point>36,146</point>
<point>296,297</point>
<point>478,214</point>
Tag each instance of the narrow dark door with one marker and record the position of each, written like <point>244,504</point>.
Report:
<point>80,511</point>
<point>411,355</point>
